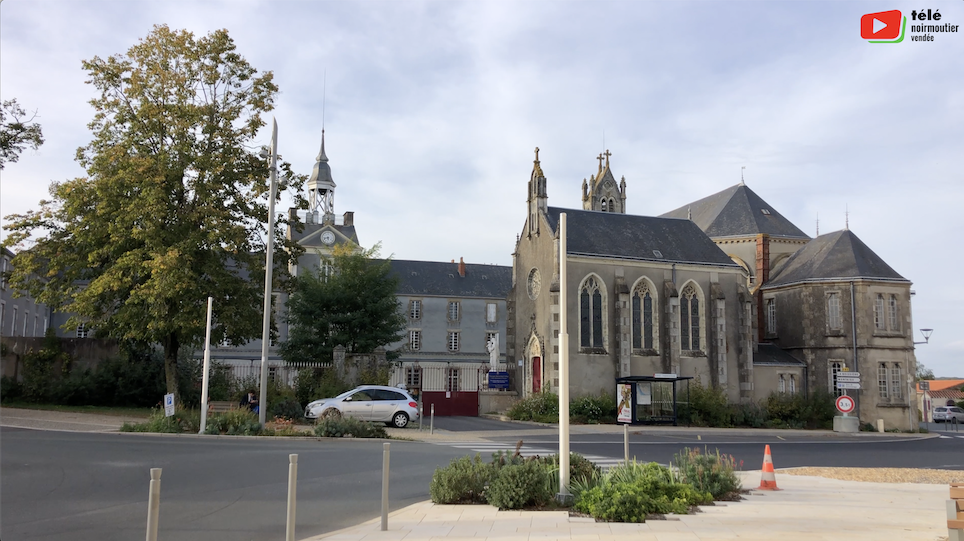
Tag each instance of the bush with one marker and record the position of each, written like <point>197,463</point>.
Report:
<point>349,427</point>
<point>238,422</point>
<point>707,407</point>
<point>520,485</point>
<point>580,467</point>
<point>9,388</point>
<point>182,421</point>
<point>593,409</point>
<point>708,473</point>
<point>462,481</point>
<point>542,407</point>
<point>287,408</point>
<point>630,492</point>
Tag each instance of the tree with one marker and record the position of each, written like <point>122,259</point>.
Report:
<point>923,373</point>
<point>17,132</point>
<point>173,208</point>
<point>351,305</point>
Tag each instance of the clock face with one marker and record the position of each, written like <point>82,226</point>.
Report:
<point>328,237</point>
<point>534,284</point>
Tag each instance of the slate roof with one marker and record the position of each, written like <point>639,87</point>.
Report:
<point>625,236</point>
<point>771,355</point>
<point>737,211</point>
<point>443,280</point>
<point>832,257</point>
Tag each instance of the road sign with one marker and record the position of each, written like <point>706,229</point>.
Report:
<point>847,379</point>
<point>847,385</point>
<point>169,405</point>
<point>924,385</point>
<point>848,374</point>
<point>845,404</point>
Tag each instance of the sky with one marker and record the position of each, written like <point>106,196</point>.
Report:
<point>432,111</point>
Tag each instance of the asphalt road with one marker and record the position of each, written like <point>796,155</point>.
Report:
<point>82,486</point>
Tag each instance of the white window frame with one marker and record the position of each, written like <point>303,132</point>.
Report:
<point>771,316</point>
<point>415,309</point>
<point>793,384</point>
<point>782,385</point>
<point>415,339</point>
<point>892,313</point>
<point>452,375</point>
<point>491,312</point>
<point>82,331</point>
<point>879,323</point>
<point>836,366</point>
<point>896,382</point>
<point>882,380</point>
<point>453,341</point>
<point>454,311</point>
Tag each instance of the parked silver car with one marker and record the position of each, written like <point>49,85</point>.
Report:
<point>375,403</point>
<point>948,413</point>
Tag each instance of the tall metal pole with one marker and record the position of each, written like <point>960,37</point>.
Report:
<point>563,366</point>
<point>268,268</point>
<point>207,370</point>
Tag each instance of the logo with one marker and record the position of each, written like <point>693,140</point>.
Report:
<point>883,27</point>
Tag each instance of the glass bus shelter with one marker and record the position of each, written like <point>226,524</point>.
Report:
<point>645,400</point>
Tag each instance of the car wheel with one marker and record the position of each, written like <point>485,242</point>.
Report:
<point>331,413</point>
<point>400,420</point>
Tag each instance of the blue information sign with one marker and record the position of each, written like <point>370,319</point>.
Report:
<point>498,380</point>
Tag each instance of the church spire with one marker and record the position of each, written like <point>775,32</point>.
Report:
<point>538,198</point>
<point>321,189</point>
<point>604,194</point>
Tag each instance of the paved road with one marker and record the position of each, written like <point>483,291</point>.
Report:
<point>78,487</point>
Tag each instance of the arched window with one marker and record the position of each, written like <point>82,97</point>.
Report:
<point>645,328</point>
<point>689,318</point>
<point>590,314</point>
<point>612,205</point>
<point>879,323</point>
<point>603,203</point>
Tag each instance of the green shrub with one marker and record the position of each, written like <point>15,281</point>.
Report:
<point>580,467</point>
<point>520,485</point>
<point>9,388</point>
<point>318,382</point>
<point>238,422</point>
<point>713,473</point>
<point>287,408</point>
<point>542,407</point>
<point>182,421</point>
<point>462,481</point>
<point>630,492</point>
<point>707,407</point>
<point>349,427</point>
<point>593,409</point>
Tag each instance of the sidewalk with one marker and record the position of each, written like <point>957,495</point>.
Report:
<point>806,509</point>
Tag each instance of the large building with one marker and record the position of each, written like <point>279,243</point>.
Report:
<point>715,290</point>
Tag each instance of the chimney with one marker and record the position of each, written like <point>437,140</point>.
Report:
<point>349,218</point>
<point>461,267</point>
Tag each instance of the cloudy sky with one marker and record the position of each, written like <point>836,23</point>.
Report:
<point>434,108</point>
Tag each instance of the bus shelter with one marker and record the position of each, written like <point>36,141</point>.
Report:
<point>645,400</point>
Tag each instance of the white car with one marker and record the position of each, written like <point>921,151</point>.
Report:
<point>375,403</point>
<point>948,413</point>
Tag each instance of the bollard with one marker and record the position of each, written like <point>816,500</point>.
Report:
<point>153,504</point>
<point>880,425</point>
<point>385,455</point>
<point>431,424</point>
<point>626,442</point>
<point>292,497</point>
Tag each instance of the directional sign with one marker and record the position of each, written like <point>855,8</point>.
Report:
<point>845,404</point>
<point>848,374</point>
<point>848,379</point>
<point>847,385</point>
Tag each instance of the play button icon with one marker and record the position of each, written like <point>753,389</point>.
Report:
<point>884,25</point>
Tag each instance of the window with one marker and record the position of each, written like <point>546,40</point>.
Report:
<point>882,380</point>
<point>327,269</point>
<point>453,341</point>
<point>82,331</point>
<point>605,208</point>
<point>490,337</point>
<point>892,313</point>
<point>895,383</point>
<point>452,380</point>
<point>879,313</point>
<point>793,384</point>
<point>36,319</point>
<point>413,377</point>
<point>590,315</point>
<point>415,340</point>
<point>833,312</point>
<point>644,328</point>
<point>415,309</point>
<point>491,312</point>
<point>13,324</point>
<point>689,317</point>
<point>454,310</point>
<point>783,384</point>
<point>771,316</point>
<point>836,366</point>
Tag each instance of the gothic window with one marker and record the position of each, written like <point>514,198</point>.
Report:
<point>836,366</point>
<point>879,323</point>
<point>892,313</point>
<point>833,312</point>
<point>590,314</point>
<point>882,379</point>
<point>644,316</point>
<point>771,316</point>
<point>689,318</point>
<point>415,309</point>
<point>604,208</point>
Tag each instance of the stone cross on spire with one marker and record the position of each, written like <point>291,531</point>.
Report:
<point>608,154</point>
<point>537,154</point>
<point>600,158</point>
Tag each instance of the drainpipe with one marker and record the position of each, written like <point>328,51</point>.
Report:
<point>853,320</point>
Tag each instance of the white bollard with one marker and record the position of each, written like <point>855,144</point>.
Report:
<point>385,456</point>
<point>880,425</point>
<point>153,504</point>
<point>626,442</point>
<point>292,496</point>
<point>431,425</point>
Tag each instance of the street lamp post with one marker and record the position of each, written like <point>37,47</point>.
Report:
<point>268,269</point>
<point>927,336</point>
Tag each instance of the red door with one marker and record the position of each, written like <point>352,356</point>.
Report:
<point>536,375</point>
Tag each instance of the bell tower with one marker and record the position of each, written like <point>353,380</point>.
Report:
<point>321,189</point>
<point>601,193</point>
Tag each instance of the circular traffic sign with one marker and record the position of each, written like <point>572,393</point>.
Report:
<point>845,404</point>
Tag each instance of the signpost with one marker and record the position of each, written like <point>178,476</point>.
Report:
<point>845,404</point>
<point>168,404</point>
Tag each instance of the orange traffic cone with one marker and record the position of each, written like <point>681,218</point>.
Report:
<point>768,479</point>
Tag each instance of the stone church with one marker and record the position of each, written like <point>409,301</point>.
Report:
<point>725,290</point>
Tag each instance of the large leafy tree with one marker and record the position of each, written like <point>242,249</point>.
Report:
<point>350,303</point>
<point>17,132</point>
<point>173,208</point>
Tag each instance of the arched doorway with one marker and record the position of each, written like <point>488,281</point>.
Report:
<point>534,366</point>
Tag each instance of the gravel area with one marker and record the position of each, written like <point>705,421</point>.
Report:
<point>882,475</point>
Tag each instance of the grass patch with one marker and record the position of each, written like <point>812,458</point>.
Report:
<point>100,410</point>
